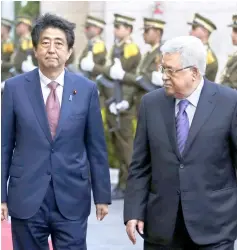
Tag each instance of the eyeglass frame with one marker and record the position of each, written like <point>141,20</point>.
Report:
<point>172,71</point>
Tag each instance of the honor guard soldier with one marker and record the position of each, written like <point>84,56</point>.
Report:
<point>126,54</point>
<point>94,54</point>
<point>7,48</point>
<point>24,51</point>
<point>202,29</point>
<point>147,77</point>
<point>229,76</point>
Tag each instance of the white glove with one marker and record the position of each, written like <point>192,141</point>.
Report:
<point>28,65</point>
<point>116,71</point>
<point>2,86</point>
<point>87,63</point>
<point>113,109</point>
<point>156,78</point>
<point>123,105</point>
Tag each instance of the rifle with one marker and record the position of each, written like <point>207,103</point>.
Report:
<point>146,85</point>
<point>118,92</point>
<point>13,71</point>
<point>72,68</point>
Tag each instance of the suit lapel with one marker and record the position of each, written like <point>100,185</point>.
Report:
<point>169,116</point>
<point>34,91</point>
<point>205,107</point>
<point>69,87</point>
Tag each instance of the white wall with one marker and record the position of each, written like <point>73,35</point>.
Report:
<point>8,12</point>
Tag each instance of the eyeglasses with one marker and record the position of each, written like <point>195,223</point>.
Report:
<point>171,72</point>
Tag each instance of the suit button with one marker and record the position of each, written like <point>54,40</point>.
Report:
<point>181,166</point>
<point>52,150</point>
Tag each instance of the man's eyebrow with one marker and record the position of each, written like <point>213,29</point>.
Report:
<point>166,66</point>
<point>49,38</point>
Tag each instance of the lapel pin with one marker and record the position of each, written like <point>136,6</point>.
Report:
<point>73,93</point>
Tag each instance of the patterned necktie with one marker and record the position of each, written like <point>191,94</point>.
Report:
<point>53,108</point>
<point>182,125</point>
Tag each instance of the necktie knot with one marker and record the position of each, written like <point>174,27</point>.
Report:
<point>53,85</point>
<point>183,104</point>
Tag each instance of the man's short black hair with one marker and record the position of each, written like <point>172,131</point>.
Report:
<point>53,21</point>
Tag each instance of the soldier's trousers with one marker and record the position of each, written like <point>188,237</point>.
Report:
<point>122,141</point>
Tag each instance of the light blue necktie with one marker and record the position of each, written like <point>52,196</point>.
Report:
<point>182,125</point>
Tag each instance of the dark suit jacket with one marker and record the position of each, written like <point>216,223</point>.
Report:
<point>204,179</point>
<point>76,159</point>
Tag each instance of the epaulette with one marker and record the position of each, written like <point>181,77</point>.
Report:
<point>26,44</point>
<point>98,47</point>
<point>210,57</point>
<point>8,47</point>
<point>130,49</point>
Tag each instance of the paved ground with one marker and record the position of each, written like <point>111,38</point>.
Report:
<point>110,234</point>
<point>106,235</point>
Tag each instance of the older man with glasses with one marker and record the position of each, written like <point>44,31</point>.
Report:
<point>182,188</point>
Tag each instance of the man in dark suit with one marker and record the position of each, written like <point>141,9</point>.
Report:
<point>53,147</point>
<point>182,188</point>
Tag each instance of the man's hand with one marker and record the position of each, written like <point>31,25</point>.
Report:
<point>4,214</point>
<point>122,106</point>
<point>131,228</point>
<point>28,65</point>
<point>87,63</point>
<point>101,211</point>
<point>116,71</point>
<point>113,109</point>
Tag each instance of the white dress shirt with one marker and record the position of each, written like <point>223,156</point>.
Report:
<point>44,81</point>
<point>193,102</point>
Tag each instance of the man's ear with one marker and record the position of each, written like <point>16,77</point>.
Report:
<point>69,53</point>
<point>35,52</point>
<point>195,72</point>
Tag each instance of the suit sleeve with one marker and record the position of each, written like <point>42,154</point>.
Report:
<point>139,175</point>
<point>97,152</point>
<point>234,135</point>
<point>8,138</point>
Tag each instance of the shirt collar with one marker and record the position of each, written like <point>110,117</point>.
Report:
<point>45,80</point>
<point>95,39</point>
<point>194,97</point>
<point>154,48</point>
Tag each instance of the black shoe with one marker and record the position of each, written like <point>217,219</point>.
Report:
<point>117,194</point>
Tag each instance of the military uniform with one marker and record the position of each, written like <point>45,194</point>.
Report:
<point>24,47</point>
<point>97,46</point>
<point>229,76</point>
<point>148,64</point>
<point>7,49</point>
<point>122,139</point>
<point>212,62</point>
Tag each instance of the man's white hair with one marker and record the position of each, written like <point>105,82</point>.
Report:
<point>191,49</point>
